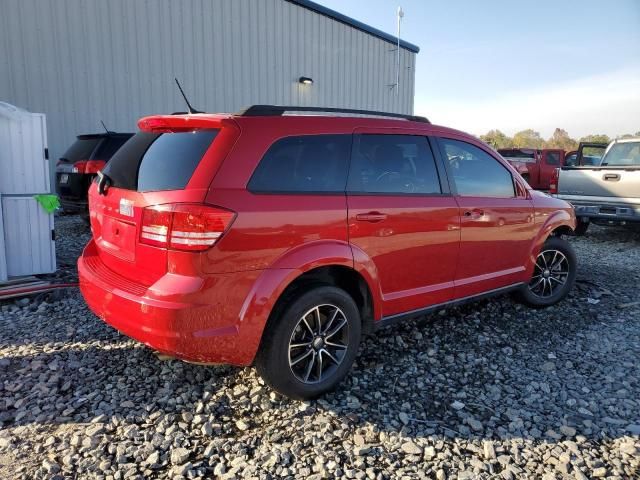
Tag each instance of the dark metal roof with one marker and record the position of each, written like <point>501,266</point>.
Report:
<point>327,12</point>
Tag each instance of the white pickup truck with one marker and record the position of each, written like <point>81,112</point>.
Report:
<point>605,194</point>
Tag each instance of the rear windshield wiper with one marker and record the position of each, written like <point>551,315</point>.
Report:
<point>104,182</point>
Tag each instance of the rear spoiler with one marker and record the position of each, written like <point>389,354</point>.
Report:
<point>180,123</point>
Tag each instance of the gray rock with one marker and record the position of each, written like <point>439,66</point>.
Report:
<point>242,425</point>
<point>411,448</point>
<point>568,431</point>
<point>153,459</point>
<point>179,456</point>
<point>475,425</point>
<point>50,466</point>
<point>489,450</point>
<point>633,428</point>
<point>219,469</point>
<point>361,450</point>
<point>207,429</point>
<point>359,440</point>
<point>404,418</point>
<point>599,472</point>
<point>429,452</point>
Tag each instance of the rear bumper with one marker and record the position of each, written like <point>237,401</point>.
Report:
<point>191,318</point>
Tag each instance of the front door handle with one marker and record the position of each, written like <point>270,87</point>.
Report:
<point>371,217</point>
<point>475,213</point>
<point>611,177</point>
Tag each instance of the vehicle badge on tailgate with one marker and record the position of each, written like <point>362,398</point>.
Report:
<point>126,207</point>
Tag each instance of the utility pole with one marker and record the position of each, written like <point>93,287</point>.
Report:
<point>400,14</point>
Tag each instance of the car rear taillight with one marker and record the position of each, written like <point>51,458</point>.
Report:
<point>88,166</point>
<point>94,166</point>
<point>78,167</point>
<point>553,183</point>
<point>184,226</point>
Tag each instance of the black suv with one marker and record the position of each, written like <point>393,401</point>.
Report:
<point>79,165</point>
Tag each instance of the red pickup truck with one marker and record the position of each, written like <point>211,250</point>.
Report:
<point>538,166</point>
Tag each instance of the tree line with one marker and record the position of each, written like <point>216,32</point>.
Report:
<point>531,139</point>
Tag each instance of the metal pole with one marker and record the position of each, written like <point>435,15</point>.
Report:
<point>400,15</point>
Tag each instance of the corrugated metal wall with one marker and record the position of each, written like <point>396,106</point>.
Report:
<point>82,61</point>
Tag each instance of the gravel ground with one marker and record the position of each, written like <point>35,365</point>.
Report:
<point>491,390</point>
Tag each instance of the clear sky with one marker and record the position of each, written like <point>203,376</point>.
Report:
<point>515,64</point>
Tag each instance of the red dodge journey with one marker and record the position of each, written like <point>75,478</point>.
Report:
<point>278,239</point>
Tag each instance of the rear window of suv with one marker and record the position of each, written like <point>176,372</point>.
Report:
<point>109,146</point>
<point>304,164</point>
<point>81,149</point>
<point>158,161</point>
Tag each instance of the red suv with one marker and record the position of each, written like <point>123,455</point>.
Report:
<point>278,240</point>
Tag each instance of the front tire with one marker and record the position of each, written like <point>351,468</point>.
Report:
<point>553,276</point>
<point>309,347</point>
<point>581,228</point>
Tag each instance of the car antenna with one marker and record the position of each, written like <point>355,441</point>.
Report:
<point>105,127</point>
<point>191,109</point>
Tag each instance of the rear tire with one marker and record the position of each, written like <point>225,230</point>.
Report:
<point>309,347</point>
<point>553,276</point>
<point>581,228</point>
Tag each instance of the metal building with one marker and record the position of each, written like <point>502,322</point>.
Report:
<point>82,61</point>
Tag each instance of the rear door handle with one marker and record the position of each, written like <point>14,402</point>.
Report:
<point>611,177</point>
<point>371,217</point>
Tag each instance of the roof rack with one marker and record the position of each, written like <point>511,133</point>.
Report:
<point>279,110</point>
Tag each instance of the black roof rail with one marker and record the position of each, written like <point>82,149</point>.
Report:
<point>279,110</point>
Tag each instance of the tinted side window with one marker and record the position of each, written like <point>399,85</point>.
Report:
<point>393,164</point>
<point>152,161</point>
<point>553,158</point>
<point>309,163</point>
<point>475,172</point>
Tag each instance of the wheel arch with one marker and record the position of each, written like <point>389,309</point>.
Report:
<point>316,263</point>
<point>558,223</point>
<point>340,276</point>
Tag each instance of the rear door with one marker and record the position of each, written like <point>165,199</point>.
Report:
<point>497,224</point>
<point>551,159</point>
<point>402,216</point>
<point>152,168</point>
<point>590,153</point>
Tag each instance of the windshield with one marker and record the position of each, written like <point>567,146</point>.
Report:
<point>623,154</point>
<point>518,155</point>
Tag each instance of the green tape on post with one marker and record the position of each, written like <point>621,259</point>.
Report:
<point>48,202</point>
